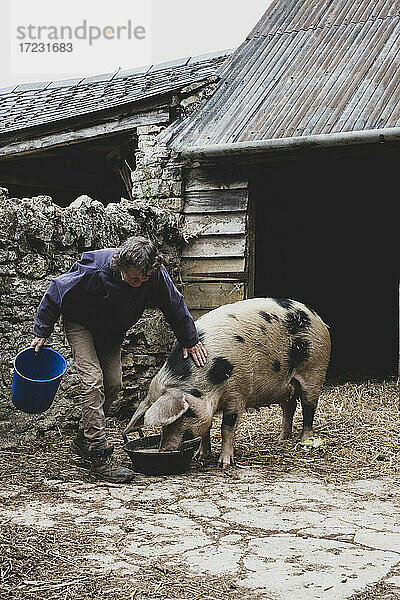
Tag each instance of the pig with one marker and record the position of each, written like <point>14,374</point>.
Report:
<point>261,351</point>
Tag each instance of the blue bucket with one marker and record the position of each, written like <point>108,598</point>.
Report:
<point>36,379</point>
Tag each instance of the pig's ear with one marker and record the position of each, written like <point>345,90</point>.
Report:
<point>137,418</point>
<point>167,409</point>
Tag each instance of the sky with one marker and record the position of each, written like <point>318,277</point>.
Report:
<point>46,40</point>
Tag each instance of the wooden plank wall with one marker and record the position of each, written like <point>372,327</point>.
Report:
<point>215,261</point>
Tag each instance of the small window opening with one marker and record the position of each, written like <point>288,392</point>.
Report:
<point>100,169</point>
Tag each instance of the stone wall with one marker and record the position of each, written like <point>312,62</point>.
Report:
<point>159,175</point>
<point>157,178</point>
<point>40,240</point>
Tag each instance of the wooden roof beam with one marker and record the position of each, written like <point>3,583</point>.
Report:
<point>75,135</point>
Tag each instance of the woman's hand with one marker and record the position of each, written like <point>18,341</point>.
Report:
<point>198,353</point>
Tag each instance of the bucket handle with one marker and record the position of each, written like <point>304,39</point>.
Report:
<point>125,437</point>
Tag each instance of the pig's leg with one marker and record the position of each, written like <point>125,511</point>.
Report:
<point>308,405</point>
<point>309,395</point>
<point>205,446</point>
<point>288,408</point>
<point>228,427</point>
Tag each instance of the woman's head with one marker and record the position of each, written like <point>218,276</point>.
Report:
<point>137,259</point>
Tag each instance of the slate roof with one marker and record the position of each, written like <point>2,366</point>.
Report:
<point>41,103</point>
<point>307,67</point>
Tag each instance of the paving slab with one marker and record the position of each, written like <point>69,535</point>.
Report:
<point>295,537</point>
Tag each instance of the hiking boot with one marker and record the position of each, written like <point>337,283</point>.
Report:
<point>105,467</point>
<point>80,446</point>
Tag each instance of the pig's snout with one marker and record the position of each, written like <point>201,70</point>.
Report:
<point>170,443</point>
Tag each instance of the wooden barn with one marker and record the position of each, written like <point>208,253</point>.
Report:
<point>282,155</point>
<point>292,174</point>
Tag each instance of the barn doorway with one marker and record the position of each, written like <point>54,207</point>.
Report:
<point>326,234</point>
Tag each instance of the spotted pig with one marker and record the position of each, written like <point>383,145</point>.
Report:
<point>261,351</point>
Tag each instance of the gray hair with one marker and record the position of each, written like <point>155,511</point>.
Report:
<point>140,252</point>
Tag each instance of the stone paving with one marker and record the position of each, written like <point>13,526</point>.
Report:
<point>294,537</point>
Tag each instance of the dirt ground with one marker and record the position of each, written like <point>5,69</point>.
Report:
<point>286,522</point>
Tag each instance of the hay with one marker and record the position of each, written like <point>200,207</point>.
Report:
<point>45,565</point>
<point>360,423</point>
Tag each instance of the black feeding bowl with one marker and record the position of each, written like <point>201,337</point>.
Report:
<point>146,459</point>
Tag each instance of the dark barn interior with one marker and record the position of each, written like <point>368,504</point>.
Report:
<point>327,235</point>
<point>99,168</point>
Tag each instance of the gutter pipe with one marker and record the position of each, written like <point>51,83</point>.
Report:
<point>346,138</point>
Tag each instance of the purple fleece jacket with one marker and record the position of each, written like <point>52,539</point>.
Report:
<point>92,294</point>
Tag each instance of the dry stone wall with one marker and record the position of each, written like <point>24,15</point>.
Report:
<point>40,240</point>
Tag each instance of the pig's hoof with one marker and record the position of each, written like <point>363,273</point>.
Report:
<point>199,454</point>
<point>306,434</point>
<point>226,461</point>
<point>283,437</point>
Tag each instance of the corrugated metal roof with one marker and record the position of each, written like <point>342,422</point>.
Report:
<point>40,103</point>
<point>307,68</point>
